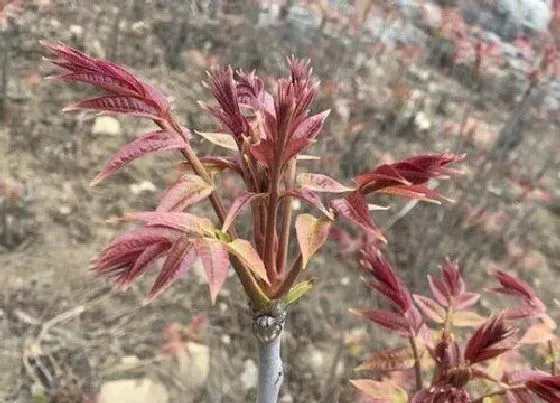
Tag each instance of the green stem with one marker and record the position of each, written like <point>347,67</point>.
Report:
<point>417,370</point>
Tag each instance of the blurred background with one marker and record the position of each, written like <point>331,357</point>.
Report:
<point>479,77</point>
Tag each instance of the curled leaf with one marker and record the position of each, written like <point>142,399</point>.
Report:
<point>220,139</point>
<point>244,251</point>
<point>321,183</point>
<point>298,291</point>
<point>311,234</point>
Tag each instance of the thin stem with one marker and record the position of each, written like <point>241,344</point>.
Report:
<point>552,353</point>
<point>417,371</point>
<point>270,230</point>
<point>287,210</point>
<point>290,278</point>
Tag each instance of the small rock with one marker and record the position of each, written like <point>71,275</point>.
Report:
<point>106,125</point>
<point>194,365</point>
<point>422,121</point>
<point>76,30</point>
<point>133,391</point>
<point>144,186</point>
<point>139,27</point>
<point>249,375</point>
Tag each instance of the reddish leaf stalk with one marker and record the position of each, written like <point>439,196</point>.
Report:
<point>270,229</point>
<point>290,278</point>
<point>287,210</point>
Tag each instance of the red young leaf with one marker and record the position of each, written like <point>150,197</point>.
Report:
<point>355,209</point>
<point>215,260</point>
<point>490,340</point>
<point>418,192</point>
<point>129,94</point>
<point>213,165</point>
<point>186,222</point>
<point>383,173</point>
<point>263,151</point>
<point>398,359</point>
<point>149,143</point>
<point>122,252</point>
<point>320,183</point>
<point>244,251</point>
<point>389,320</point>
<point>304,135</point>
<point>97,80</point>
<point>238,205</point>
<point>387,283</point>
<point>311,234</point>
<point>180,258</point>
<point>117,105</point>
<point>514,286</point>
<point>430,308</point>
<point>188,190</point>
<point>311,198</point>
<point>149,255</point>
<point>546,388</point>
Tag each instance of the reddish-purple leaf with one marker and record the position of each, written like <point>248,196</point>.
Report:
<point>439,291</point>
<point>263,151</point>
<point>389,320</point>
<point>490,340</point>
<point>244,251</point>
<point>180,258</point>
<point>237,205</point>
<point>311,198</point>
<point>387,282</point>
<point>215,260</point>
<point>149,255</point>
<point>149,143</point>
<point>101,80</point>
<point>417,192</point>
<point>123,251</point>
<point>188,190</point>
<point>383,175</point>
<point>546,388</point>
<point>514,286</point>
<point>311,234</point>
<point>522,376</point>
<point>311,126</point>
<point>116,104</point>
<point>186,222</point>
<point>430,308</point>
<point>129,94</point>
<point>355,209</point>
<point>398,359</point>
<point>321,183</point>
<point>213,165</point>
<point>466,300</point>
